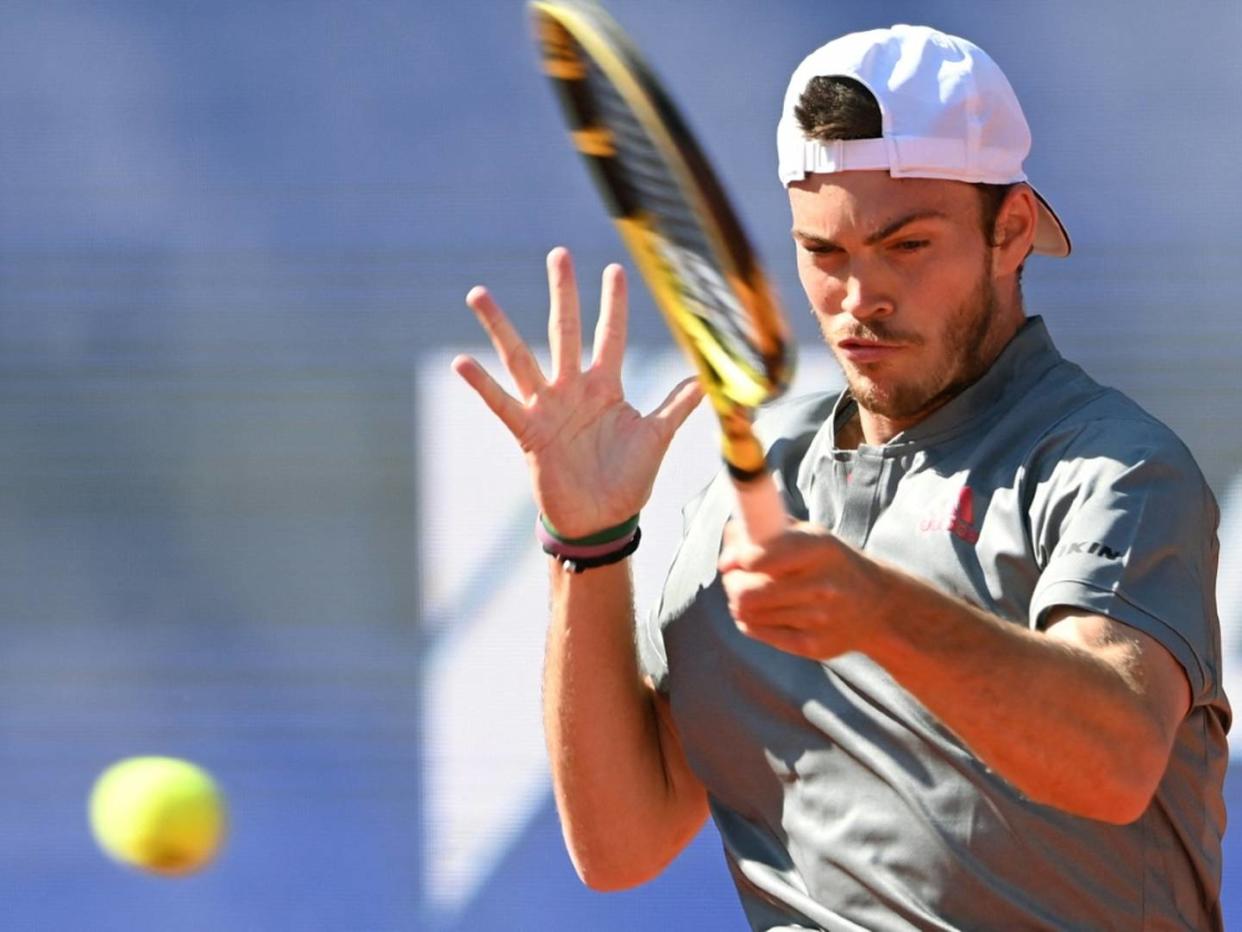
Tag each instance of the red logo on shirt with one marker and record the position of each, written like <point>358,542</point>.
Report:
<point>958,518</point>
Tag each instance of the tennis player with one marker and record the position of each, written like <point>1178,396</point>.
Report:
<point>976,683</point>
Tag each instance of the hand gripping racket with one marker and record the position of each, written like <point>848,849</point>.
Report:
<point>674,218</point>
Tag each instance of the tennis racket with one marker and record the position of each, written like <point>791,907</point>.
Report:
<point>675,220</point>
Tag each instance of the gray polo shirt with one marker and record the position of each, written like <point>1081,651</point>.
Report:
<point>841,801</point>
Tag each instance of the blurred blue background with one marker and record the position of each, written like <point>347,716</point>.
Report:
<point>246,515</point>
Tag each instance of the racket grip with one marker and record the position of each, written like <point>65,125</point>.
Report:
<point>761,510</point>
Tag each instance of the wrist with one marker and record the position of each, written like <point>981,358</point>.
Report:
<point>603,548</point>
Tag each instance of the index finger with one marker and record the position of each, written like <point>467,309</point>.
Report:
<point>514,353</point>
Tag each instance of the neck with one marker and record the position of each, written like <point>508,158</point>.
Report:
<point>876,429</point>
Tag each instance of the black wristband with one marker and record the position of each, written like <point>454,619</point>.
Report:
<point>581,564</point>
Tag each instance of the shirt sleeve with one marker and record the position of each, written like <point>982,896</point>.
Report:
<point>678,591</point>
<point>1124,525</point>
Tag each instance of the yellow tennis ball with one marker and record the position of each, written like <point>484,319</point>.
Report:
<point>160,814</point>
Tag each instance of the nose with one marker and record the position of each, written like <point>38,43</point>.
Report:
<point>865,297</point>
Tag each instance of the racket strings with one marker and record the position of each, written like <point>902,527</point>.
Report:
<point>652,188</point>
<point>650,179</point>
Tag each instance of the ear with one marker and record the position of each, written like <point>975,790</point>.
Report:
<point>1013,237</point>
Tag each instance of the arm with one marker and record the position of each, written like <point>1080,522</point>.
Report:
<point>610,738</point>
<point>628,801</point>
<point>1080,717</point>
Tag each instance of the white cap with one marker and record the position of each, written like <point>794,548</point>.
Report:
<point>947,109</point>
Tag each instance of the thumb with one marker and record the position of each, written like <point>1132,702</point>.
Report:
<point>672,412</point>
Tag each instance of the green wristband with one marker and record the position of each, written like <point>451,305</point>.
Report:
<point>606,536</point>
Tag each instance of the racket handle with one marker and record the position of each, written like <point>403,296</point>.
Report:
<point>761,509</point>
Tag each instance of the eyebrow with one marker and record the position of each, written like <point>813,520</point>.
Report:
<point>881,234</point>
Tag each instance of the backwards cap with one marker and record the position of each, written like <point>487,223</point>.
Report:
<point>947,110</point>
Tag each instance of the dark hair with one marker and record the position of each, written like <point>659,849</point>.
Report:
<point>835,107</point>
<point>838,108</point>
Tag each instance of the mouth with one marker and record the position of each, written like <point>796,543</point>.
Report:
<point>864,351</point>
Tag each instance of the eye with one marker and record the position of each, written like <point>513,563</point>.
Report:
<point>911,245</point>
<point>821,249</point>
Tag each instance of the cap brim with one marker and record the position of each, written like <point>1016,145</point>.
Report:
<point>1051,238</point>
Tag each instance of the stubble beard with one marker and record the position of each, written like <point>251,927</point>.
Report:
<point>967,355</point>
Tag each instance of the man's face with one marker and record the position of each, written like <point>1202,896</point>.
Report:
<point>898,273</point>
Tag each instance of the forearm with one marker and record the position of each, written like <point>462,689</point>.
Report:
<point>628,802</point>
<point>1066,726</point>
<point>627,799</point>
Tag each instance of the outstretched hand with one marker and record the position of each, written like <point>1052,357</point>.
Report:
<point>593,458</point>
